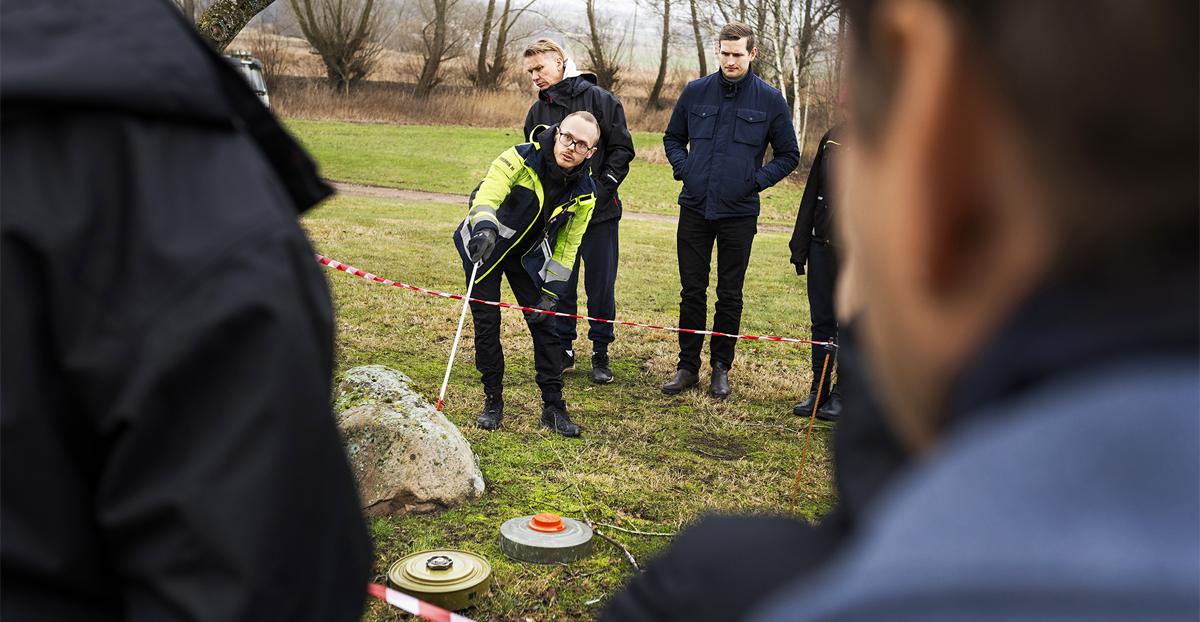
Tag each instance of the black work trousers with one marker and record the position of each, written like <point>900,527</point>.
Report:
<point>694,239</point>
<point>598,253</point>
<point>489,354</point>
<point>822,278</point>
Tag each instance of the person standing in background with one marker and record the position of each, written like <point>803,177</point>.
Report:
<point>562,91</point>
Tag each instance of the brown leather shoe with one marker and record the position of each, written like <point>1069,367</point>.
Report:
<point>719,387</point>
<point>682,381</point>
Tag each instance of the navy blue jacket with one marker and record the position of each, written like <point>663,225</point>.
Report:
<point>716,140</point>
<point>1066,488</point>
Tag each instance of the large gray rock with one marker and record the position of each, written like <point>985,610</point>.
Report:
<point>406,456</point>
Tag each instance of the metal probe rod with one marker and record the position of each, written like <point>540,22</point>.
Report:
<point>454,349</point>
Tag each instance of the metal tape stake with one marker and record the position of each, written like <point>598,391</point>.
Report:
<point>816,403</point>
<point>458,334</point>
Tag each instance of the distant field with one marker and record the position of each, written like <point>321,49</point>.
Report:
<point>454,159</point>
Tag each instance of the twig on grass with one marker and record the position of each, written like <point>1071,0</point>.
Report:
<point>628,555</point>
<point>640,533</point>
<point>596,600</point>
<point>586,574</point>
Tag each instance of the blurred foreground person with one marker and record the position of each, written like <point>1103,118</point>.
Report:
<point>168,451</point>
<point>1022,266</point>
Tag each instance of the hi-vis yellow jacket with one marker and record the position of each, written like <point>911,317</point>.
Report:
<point>510,200</point>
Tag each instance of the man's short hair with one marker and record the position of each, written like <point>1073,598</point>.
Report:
<point>586,116</point>
<point>1106,94</point>
<point>544,45</point>
<point>734,31</point>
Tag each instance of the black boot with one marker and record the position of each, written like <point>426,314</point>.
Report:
<point>805,408</point>
<point>568,361</point>
<point>832,410</point>
<point>493,412</point>
<point>718,387</point>
<point>601,374</point>
<point>682,381</point>
<point>554,416</point>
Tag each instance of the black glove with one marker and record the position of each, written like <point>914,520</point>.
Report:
<point>480,246</point>
<point>547,302</point>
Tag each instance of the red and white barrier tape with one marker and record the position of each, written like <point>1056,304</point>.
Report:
<point>378,279</point>
<point>413,605</point>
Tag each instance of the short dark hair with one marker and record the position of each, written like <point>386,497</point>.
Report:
<point>1107,94</point>
<point>734,31</point>
<point>586,116</point>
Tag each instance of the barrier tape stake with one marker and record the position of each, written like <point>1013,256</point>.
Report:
<point>454,349</point>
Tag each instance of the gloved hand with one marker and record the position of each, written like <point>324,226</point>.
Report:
<point>480,246</point>
<point>548,302</point>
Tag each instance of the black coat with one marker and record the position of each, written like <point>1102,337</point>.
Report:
<point>614,152</point>
<point>814,219</point>
<point>168,450</point>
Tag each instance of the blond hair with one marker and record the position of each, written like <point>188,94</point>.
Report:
<point>544,45</point>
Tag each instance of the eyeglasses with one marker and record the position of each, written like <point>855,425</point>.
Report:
<point>578,146</point>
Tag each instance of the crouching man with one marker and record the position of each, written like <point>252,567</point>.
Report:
<point>526,220</point>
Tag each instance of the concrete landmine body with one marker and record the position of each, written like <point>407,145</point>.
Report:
<point>448,578</point>
<point>545,539</point>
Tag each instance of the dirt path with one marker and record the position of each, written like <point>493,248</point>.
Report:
<point>370,191</point>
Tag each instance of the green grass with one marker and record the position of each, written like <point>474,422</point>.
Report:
<point>455,159</point>
<point>646,461</point>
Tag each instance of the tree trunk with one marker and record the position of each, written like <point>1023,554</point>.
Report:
<point>482,74</point>
<point>741,15</point>
<point>436,48</point>
<point>700,52</point>
<point>188,7</point>
<point>225,19</point>
<point>656,92</point>
<point>780,46</point>
<point>499,63</point>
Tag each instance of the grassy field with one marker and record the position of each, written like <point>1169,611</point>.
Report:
<point>646,461</point>
<point>454,159</point>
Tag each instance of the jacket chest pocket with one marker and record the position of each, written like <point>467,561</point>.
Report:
<point>750,127</point>
<point>702,121</point>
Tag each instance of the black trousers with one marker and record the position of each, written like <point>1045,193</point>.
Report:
<point>489,354</point>
<point>822,279</point>
<point>598,252</point>
<point>694,243</point>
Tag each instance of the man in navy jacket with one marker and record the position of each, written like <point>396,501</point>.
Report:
<point>715,141</point>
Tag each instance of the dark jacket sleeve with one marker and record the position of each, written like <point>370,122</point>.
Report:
<point>783,144</point>
<point>802,234</point>
<point>530,123</point>
<point>618,150</point>
<point>198,331</point>
<point>675,139</point>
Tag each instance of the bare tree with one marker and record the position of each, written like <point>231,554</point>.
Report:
<point>439,44</point>
<point>602,50</point>
<point>701,53</point>
<point>481,66</point>
<point>224,19</point>
<point>813,16</point>
<point>656,92</point>
<point>490,76</point>
<point>345,33</point>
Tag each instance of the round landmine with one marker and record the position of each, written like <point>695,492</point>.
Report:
<point>447,578</point>
<point>545,539</point>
